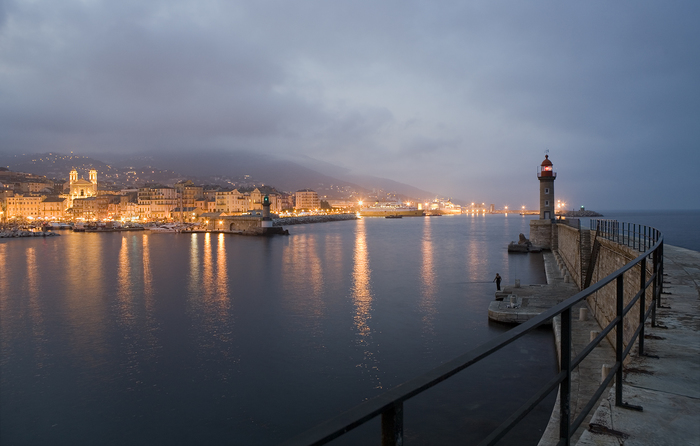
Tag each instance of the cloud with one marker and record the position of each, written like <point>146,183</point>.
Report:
<point>457,97</point>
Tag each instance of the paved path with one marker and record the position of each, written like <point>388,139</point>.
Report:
<point>667,388</point>
<point>585,378</point>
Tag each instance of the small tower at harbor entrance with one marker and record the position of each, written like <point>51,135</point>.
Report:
<point>542,231</point>
<point>546,175</point>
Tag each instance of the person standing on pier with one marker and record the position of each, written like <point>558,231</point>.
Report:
<point>498,282</point>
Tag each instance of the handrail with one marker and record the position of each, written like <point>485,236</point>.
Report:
<point>390,404</point>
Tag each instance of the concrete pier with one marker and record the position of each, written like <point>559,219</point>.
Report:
<point>531,300</point>
<point>668,388</point>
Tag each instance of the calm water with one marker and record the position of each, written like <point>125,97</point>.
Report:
<point>680,228</point>
<point>166,339</point>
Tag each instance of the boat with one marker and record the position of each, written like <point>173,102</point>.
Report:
<point>170,227</point>
<point>393,216</point>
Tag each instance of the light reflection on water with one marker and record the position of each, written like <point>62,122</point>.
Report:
<point>232,339</point>
<point>428,289</point>
<point>362,298</point>
<point>35,308</point>
<point>147,274</point>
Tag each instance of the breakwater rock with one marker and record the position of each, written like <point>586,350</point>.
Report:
<point>17,233</point>
<point>312,219</point>
<point>583,213</point>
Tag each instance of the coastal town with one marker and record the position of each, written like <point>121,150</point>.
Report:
<point>101,195</point>
<point>27,198</point>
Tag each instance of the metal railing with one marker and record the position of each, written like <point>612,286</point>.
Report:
<point>390,404</point>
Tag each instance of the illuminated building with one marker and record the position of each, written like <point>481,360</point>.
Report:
<point>307,199</point>
<point>81,188</point>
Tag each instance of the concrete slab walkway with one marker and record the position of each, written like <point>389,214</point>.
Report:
<point>668,388</point>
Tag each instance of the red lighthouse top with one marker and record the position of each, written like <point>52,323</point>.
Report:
<point>545,169</point>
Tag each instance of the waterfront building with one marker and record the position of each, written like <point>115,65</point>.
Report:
<point>155,201</point>
<point>23,206</point>
<point>53,208</point>
<point>189,193</point>
<point>188,214</point>
<point>102,207</point>
<point>206,204</point>
<point>306,199</point>
<point>230,202</point>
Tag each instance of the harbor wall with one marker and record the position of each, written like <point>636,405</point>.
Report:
<point>286,221</point>
<point>610,257</point>
<point>541,234</point>
<point>570,251</point>
<point>604,259</point>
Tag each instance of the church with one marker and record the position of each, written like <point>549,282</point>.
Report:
<point>81,188</point>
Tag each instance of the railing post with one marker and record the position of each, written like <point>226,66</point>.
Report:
<point>392,426</point>
<point>619,348</point>
<point>565,386</point>
<point>655,287</point>
<point>642,303</point>
<point>661,272</point>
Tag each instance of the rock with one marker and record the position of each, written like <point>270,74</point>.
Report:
<point>523,240</point>
<point>517,247</point>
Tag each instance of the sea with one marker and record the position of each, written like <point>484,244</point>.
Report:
<point>132,338</point>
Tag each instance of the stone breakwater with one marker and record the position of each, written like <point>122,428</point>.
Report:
<point>16,233</point>
<point>312,219</point>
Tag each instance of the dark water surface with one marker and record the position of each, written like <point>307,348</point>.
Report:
<point>680,228</point>
<point>179,339</point>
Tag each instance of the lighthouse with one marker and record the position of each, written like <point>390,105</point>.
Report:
<point>543,231</point>
<point>546,175</point>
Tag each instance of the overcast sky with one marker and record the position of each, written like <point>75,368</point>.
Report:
<point>457,97</point>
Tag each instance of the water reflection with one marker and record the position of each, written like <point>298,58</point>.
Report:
<point>221,274</point>
<point>302,269</point>
<point>147,275</point>
<point>35,311</point>
<point>209,290</point>
<point>428,283</point>
<point>124,294</point>
<point>477,254</point>
<point>362,298</point>
<point>194,265</point>
<point>207,283</point>
<point>4,300</point>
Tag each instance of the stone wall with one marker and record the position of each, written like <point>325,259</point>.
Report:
<point>611,257</point>
<point>312,219</point>
<point>236,224</point>
<point>541,233</point>
<point>569,242</point>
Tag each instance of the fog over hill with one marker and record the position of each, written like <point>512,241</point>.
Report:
<point>217,167</point>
